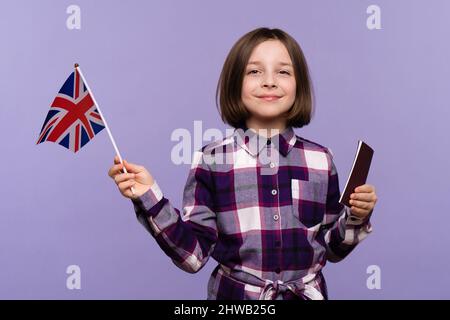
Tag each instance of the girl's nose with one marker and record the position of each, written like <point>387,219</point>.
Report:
<point>269,84</point>
<point>268,81</point>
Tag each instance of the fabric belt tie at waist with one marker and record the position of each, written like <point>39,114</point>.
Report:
<point>271,289</point>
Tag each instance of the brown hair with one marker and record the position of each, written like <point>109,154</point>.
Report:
<point>229,87</point>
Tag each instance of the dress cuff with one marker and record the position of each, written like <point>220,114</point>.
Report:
<point>149,199</point>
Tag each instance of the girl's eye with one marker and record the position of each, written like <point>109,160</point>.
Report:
<point>256,71</point>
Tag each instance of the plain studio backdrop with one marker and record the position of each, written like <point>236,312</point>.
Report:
<point>153,67</point>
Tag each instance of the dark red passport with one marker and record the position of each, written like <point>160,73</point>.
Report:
<point>360,171</point>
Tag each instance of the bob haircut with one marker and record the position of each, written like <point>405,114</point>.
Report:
<point>229,87</point>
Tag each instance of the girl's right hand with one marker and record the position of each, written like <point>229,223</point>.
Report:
<point>137,177</point>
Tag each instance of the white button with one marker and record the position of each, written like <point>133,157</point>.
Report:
<point>274,192</point>
<point>272,164</point>
<point>275,217</point>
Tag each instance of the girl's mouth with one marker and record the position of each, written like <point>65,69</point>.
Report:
<point>269,98</point>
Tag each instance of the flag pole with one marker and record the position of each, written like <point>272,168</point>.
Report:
<point>77,67</point>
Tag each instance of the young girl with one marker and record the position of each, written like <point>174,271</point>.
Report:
<point>271,225</point>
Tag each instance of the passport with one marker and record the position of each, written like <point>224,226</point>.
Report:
<point>359,172</point>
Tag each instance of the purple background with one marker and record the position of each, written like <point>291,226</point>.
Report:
<point>153,67</point>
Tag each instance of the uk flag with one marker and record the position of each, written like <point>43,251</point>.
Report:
<point>73,119</point>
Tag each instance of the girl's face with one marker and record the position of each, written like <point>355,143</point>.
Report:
<point>268,89</point>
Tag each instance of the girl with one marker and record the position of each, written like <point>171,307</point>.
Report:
<point>271,225</point>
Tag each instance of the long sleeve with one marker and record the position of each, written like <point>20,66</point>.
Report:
<point>189,237</point>
<point>342,231</point>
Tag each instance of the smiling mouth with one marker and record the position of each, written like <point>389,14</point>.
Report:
<point>270,98</point>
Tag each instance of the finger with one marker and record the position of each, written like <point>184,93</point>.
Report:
<point>115,170</point>
<point>116,160</point>
<point>361,204</point>
<point>359,212</point>
<point>112,170</point>
<point>365,188</point>
<point>362,196</point>
<point>126,184</point>
<point>131,167</point>
<point>128,193</point>
<point>123,177</point>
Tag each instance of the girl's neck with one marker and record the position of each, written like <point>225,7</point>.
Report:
<point>267,128</point>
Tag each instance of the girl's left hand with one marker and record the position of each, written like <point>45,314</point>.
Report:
<point>363,200</point>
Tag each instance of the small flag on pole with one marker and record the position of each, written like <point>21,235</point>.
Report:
<point>73,119</point>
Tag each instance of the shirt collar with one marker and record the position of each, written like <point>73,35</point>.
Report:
<point>283,141</point>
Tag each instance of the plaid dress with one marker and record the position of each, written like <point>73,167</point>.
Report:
<point>267,212</point>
